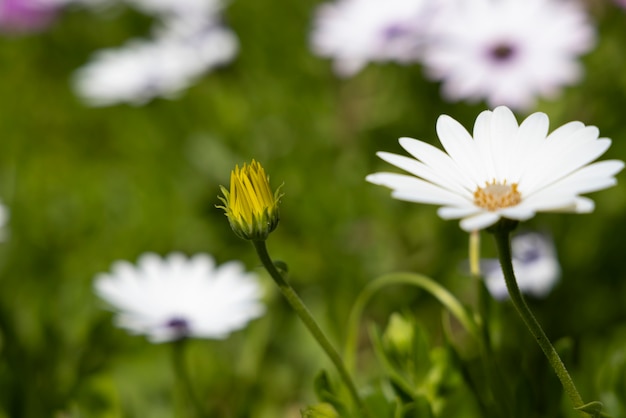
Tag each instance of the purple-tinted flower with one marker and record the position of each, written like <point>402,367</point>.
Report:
<point>620,3</point>
<point>507,52</point>
<point>355,32</point>
<point>536,267</point>
<point>23,16</point>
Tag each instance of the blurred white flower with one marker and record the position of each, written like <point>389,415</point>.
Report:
<point>509,52</point>
<point>203,8</point>
<point>4,220</point>
<point>175,297</point>
<point>535,264</point>
<point>355,32</point>
<point>182,51</point>
<point>504,170</point>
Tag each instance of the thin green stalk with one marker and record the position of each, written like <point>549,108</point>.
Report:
<point>182,376</point>
<point>504,252</point>
<point>306,317</point>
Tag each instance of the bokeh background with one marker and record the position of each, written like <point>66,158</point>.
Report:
<point>87,186</point>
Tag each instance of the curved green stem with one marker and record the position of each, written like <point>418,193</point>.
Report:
<point>435,289</point>
<point>182,375</point>
<point>504,252</point>
<point>306,317</point>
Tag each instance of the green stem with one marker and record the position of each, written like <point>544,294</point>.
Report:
<point>504,252</point>
<point>182,376</point>
<point>306,317</point>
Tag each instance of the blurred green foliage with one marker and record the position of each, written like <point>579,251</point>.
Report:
<point>87,186</point>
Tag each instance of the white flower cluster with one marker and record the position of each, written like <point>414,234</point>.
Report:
<point>187,41</point>
<point>507,52</point>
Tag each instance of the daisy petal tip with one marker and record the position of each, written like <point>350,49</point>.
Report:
<point>584,205</point>
<point>406,141</point>
<point>503,112</point>
<point>502,108</point>
<point>540,117</point>
<point>444,120</point>
<point>373,178</point>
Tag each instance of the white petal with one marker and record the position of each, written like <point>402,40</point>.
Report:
<point>437,159</point>
<point>422,170</point>
<point>528,142</point>
<point>460,146</point>
<point>413,189</point>
<point>578,205</point>
<point>450,212</point>
<point>563,165</point>
<point>482,127</point>
<point>573,132</point>
<point>479,221</point>
<point>503,132</point>
<point>584,205</point>
<point>519,213</point>
<point>588,179</point>
<point>424,194</point>
<point>548,201</point>
<point>535,126</point>
<point>482,140</point>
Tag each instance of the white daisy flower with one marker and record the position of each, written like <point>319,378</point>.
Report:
<point>175,297</point>
<point>355,32</point>
<point>508,52</point>
<point>164,67</point>
<point>536,267</point>
<point>503,170</point>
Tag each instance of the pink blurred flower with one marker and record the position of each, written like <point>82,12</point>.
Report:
<point>620,3</point>
<point>23,16</point>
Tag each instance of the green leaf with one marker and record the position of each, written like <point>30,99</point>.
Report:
<point>281,266</point>
<point>326,392</point>
<point>419,408</point>
<point>593,408</point>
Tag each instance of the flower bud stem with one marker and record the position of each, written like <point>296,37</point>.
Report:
<point>503,243</point>
<point>306,317</point>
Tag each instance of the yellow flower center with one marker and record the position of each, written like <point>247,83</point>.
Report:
<point>497,195</point>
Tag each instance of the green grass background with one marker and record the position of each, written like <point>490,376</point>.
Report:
<point>88,186</point>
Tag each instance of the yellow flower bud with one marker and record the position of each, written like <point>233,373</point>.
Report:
<point>250,205</point>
